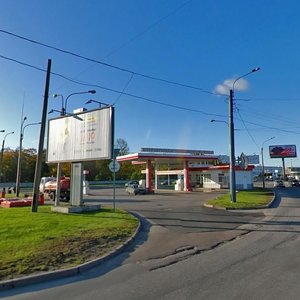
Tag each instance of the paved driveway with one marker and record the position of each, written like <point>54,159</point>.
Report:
<point>174,222</point>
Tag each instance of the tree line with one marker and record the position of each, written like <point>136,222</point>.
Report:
<point>97,170</point>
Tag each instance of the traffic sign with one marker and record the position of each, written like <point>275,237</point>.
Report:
<point>114,166</point>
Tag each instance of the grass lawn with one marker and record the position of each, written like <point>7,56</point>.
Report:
<point>244,199</point>
<point>44,241</point>
<point>21,195</point>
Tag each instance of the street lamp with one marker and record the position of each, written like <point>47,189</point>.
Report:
<point>78,93</point>
<point>62,112</point>
<point>20,154</point>
<point>219,121</point>
<point>64,102</point>
<point>2,151</point>
<point>231,138</point>
<point>262,159</point>
<point>19,159</point>
<point>95,101</point>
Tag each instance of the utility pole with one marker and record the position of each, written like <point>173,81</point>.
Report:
<point>263,167</point>
<point>231,149</point>
<point>38,166</point>
<point>231,137</point>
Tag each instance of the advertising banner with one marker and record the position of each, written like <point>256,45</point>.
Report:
<point>81,137</point>
<point>282,151</point>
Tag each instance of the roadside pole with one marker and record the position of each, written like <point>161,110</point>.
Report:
<point>38,166</point>
<point>114,167</point>
<point>231,149</point>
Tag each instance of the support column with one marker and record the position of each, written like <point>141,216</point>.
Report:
<point>156,177</point>
<point>149,176</point>
<point>186,176</point>
<point>76,184</point>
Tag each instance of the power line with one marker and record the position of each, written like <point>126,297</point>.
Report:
<point>113,90</point>
<point>251,136</point>
<point>125,87</point>
<point>148,28</point>
<point>143,98</point>
<point>109,65</point>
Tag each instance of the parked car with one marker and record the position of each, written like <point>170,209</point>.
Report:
<point>278,183</point>
<point>131,182</point>
<point>295,183</point>
<point>134,189</point>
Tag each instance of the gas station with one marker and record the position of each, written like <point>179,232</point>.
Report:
<point>193,169</point>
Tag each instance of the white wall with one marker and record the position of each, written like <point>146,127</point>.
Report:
<point>243,179</point>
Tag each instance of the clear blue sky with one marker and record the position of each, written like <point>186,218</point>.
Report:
<point>200,43</point>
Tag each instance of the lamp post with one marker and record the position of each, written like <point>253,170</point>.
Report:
<point>19,159</point>
<point>62,112</point>
<point>262,159</point>
<point>2,151</point>
<point>78,93</point>
<point>95,101</point>
<point>20,154</point>
<point>64,102</point>
<point>231,138</point>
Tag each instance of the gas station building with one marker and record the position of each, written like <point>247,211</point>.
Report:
<point>192,169</point>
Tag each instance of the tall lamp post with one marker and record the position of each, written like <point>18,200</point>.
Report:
<point>19,159</point>
<point>2,151</point>
<point>231,138</point>
<point>20,154</point>
<point>262,159</point>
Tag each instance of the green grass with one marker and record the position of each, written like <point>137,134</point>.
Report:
<point>43,241</point>
<point>244,199</point>
<point>21,195</point>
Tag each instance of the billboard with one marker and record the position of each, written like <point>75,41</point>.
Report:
<point>282,151</point>
<point>81,137</point>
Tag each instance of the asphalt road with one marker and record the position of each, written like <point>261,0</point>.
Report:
<point>182,253</point>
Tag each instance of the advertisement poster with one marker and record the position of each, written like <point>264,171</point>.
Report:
<point>84,136</point>
<point>282,151</point>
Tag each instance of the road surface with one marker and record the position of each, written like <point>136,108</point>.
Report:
<point>261,262</point>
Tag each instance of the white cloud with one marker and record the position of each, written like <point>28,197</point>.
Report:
<point>240,85</point>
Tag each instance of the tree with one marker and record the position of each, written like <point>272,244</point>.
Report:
<point>122,146</point>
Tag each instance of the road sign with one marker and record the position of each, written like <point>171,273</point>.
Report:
<point>114,166</point>
<point>243,161</point>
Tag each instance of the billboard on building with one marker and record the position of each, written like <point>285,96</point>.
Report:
<point>81,137</point>
<point>282,151</point>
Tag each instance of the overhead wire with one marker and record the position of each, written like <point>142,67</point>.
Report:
<point>113,90</point>
<point>109,65</point>
<point>142,98</point>
<point>141,33</point>
<point>250,135</point>
<point>125,87</point>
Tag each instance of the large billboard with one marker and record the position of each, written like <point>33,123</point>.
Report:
<point>81,137</point>
<point>282,151</point>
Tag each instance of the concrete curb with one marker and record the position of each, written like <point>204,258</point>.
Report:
<point>37,278</point>
<point>248,208</point>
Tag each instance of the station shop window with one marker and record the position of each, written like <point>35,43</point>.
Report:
<point>221,178</point>
<point>207,178</point>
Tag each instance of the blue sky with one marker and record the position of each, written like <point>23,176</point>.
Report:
<point>204,44</point>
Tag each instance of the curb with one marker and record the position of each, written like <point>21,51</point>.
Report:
<point>247,208</point>
<point>38,278</point>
